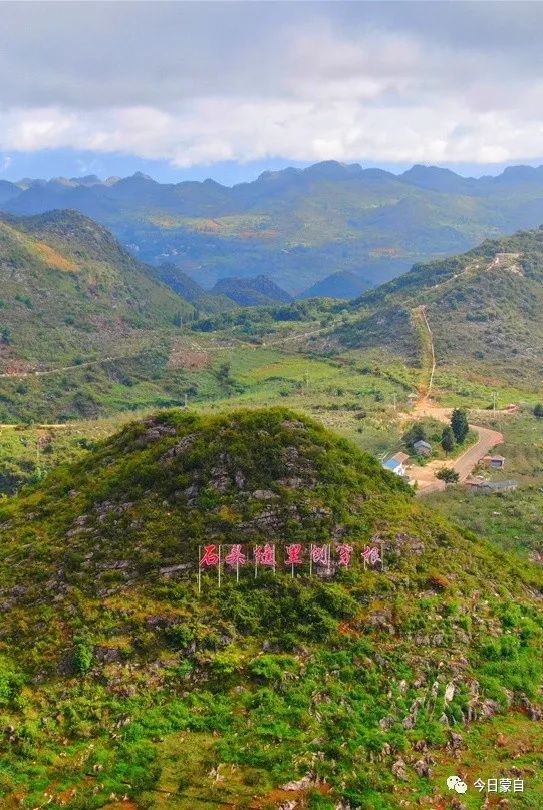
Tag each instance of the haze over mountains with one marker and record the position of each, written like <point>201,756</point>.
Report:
<point>297,226</point>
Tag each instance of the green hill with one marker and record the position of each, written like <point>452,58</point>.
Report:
<point>68,289</point>
<point>118,679</point>
<point>483,308</point>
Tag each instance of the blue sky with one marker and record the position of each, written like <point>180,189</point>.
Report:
<point>226,90</point>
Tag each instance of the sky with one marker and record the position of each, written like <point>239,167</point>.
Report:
<point>226,90</point>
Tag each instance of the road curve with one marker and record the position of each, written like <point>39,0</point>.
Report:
<point>426,476</point>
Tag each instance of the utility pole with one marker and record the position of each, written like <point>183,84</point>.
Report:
<point>494,398</point>
<point>186,400</point>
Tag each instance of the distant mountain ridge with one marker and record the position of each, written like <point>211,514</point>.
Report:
<point>251,292</point>
<point>339,285</point>
<point>301,225</point>
<point>185,286</point>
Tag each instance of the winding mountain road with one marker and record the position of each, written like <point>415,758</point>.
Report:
<point>426,477</point>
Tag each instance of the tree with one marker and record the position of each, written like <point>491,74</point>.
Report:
<point>178,319</point>
<point>448,474</point>
<point>538,410</point>
<point>459,424</point>
<point>447,440</point>
<point>417,432</point>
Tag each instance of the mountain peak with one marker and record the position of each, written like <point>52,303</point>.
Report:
<point>256,291</point>
<point>434,178</point>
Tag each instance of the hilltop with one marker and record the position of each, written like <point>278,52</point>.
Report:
<point>252,292</point>
<point>339,285</point>
<point>117,678</point>
<point>482,308</point>
<point>85,329</point>
<point>299,225</point>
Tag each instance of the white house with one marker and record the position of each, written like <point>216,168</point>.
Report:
<point>396,464</point>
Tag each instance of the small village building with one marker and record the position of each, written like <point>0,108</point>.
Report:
<point>422,448</point>
<point>475,481</point>
<point>496,462</point>
<point>396,464</point>
<point>499,486</point>
<point>480,484</point>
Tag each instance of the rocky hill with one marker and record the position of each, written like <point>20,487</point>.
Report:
<point>348,688</point>
<point>301,225</point>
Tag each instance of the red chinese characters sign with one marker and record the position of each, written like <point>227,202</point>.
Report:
<point>300,558</point>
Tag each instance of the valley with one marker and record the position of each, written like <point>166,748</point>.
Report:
<point>332,223</point>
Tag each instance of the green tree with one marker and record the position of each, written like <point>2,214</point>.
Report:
<point>448,474</point>
<point>538,410</point>
<point>459,424</point>
<point>448,441</point>
<point>416,433</point>
<point>178,319</point>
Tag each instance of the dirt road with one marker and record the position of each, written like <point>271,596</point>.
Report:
<point>464,464</point>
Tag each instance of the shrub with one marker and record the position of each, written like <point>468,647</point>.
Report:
<point>448,474</point>
<point>83,655</point>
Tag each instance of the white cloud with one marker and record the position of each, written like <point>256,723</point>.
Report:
<point>199,83</point>
<point>5,163</point>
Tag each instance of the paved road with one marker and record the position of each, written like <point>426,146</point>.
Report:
<point>464,464</point>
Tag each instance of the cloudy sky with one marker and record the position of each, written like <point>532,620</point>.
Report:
<point>226,89</point>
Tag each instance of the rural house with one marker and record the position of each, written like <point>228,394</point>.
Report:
<point>496,462</point>
<point>422,448</point>
<point>396,464</point>
<point>499,486</point>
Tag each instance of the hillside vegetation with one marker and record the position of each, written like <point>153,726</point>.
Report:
<point>483,308</point>
<point>68,289</point>
<point>117,679</point>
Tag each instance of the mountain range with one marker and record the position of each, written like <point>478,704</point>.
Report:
<point>297,226</point>
<point>342,284</point>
